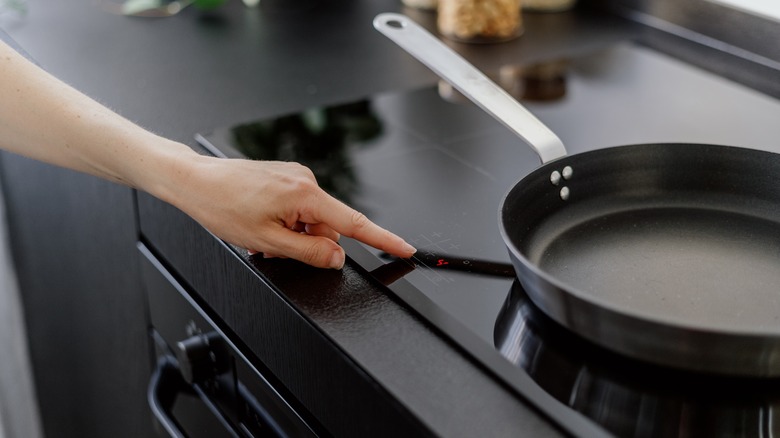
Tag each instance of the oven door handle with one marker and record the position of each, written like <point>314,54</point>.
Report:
<point>165,385</point>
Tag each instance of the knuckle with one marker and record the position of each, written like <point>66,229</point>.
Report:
<point>313,253</point>
<point>308,173</point>
<point>305,186</point>
<point>359,220</point>
<point>300,190</point>
<point>302,170</point>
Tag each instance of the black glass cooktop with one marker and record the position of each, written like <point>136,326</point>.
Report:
<point>434,169</point>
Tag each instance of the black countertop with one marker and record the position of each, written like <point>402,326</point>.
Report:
<point>196,71</point>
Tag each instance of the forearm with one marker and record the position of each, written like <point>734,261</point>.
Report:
<point>45,119</point>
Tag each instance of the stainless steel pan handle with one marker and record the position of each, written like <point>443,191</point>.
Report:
<point>429,50</point>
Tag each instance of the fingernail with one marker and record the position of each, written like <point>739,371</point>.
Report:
<point>337,260</point>
<point>409,248</point>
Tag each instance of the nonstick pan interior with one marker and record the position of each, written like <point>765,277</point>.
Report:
<point>681,237</point>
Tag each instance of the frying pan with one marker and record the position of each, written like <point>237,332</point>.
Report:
<point>668,253</point>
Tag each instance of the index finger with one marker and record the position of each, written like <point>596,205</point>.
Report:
<point>351,223</point>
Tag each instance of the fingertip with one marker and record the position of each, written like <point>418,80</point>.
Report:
<point>400,247</point>
<point>337,259</point>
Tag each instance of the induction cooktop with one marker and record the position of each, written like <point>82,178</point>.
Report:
<point>434,168</point>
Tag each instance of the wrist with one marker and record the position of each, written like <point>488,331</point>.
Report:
<point>175,170</point>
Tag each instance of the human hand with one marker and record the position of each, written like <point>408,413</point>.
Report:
<point>275,208</point>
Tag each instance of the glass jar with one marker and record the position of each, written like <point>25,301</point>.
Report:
<point>542,82</point>
<point>548,5</point>
<point>479,21</point>
<point>421,4</point>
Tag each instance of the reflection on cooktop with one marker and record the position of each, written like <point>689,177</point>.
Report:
<point>626,396</point>
<point>318,137</point>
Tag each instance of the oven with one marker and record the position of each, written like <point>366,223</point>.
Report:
<point>202,385</point>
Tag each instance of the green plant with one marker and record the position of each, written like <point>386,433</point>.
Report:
<point>163,8</point>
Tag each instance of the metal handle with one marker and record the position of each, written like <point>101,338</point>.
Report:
<point>429,50</point>
<point>165,385</point>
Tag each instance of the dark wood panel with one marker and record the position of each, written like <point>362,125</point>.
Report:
<point>72,238</point>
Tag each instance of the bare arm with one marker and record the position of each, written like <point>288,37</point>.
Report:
<point>271,207</point>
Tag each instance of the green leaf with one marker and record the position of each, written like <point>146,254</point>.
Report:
<point>208,4</point>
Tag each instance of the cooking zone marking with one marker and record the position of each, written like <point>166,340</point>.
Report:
<point>430,248</point>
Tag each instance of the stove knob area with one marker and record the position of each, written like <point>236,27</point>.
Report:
<point>202,357</point>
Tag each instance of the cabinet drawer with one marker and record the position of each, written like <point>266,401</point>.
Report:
<point>203,385</point>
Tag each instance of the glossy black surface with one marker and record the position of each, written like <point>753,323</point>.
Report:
<point>436,171</point>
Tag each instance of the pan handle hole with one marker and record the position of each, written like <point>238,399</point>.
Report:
<point>395,24</point>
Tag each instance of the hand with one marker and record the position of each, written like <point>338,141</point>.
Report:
<point>275,208</point>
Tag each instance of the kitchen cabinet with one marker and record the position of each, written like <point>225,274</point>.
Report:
<point>72,238</point>
<point>202,384</point>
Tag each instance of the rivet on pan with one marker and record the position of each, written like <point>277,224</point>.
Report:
<point>565,193</point>
<point>567,172</point>
<point>555,177</point>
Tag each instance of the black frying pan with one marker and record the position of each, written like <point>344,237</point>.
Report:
<point>668,253</point>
